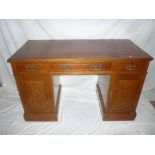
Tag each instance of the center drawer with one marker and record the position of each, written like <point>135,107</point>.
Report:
<point>80,67</point>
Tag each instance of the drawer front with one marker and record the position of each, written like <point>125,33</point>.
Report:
<point>129,66</point>
<point>80,67</point>
<point>31,67</point>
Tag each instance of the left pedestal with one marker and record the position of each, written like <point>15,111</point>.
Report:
<point>39,93</point>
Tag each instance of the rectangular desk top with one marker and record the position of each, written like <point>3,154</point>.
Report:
<point>79,49</point>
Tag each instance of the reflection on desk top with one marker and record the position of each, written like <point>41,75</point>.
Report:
<point>102,49</point>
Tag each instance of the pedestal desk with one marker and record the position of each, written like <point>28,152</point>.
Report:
<point>121,67</point>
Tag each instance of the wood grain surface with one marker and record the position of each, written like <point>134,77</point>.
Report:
<point>79,49</point>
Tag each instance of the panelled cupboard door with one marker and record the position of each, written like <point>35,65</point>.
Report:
<point>36,93</point>
<point>124,92</point>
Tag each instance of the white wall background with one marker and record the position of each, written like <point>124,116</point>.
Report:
<point>14,33</point>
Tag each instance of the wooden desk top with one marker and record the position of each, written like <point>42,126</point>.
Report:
<point>79,49</point>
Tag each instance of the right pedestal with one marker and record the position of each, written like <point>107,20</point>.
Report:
<point>118,95</point>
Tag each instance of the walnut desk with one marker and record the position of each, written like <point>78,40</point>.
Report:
<point>121,67</point>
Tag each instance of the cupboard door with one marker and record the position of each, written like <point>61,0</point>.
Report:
<point>36,93</point>
<point>124,92</point>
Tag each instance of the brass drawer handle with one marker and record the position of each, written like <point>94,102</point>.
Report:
<point>95,67</point>
<point>130,67</point>
<point>66,68</point>
<point>31,68</point>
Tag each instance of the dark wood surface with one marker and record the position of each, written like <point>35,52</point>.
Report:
<point>79,49</point>
<point>120,65</point>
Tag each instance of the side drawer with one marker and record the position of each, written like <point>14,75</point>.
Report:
<point>130,66</point>
<point>80,67</point>
<point>26,67</point>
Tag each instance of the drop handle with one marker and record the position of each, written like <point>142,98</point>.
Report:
<point>110,93</point>
<point>95,67</point>
<point>31,68</point>
<point>65,67</point>
<point>130,67</point>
